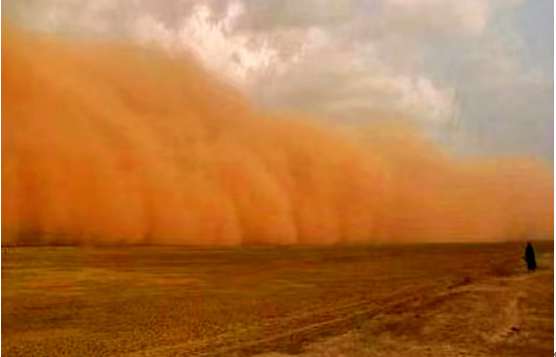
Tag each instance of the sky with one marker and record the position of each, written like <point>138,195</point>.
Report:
<point>477,75</point>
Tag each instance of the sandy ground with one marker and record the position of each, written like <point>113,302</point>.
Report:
<point>418,300</point>
<point>509,316</point>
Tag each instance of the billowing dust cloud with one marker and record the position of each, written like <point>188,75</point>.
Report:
<point>109,144</point>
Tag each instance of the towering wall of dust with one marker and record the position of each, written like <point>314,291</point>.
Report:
<point>111,144</point>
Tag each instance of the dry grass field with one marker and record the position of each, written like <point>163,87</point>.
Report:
<point>399,300</point>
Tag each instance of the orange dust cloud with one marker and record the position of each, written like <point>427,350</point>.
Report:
<point>111,144</point>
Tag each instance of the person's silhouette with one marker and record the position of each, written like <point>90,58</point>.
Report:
<point>530,257</point>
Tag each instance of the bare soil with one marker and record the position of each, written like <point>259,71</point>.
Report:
<point>398,300</point>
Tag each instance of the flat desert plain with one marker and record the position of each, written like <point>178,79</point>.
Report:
<point>379,300</point>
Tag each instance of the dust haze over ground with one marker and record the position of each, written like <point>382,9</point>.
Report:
<point>108,143</point>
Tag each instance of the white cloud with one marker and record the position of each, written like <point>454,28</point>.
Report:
<point>304,68</point>
<point>242,57</point>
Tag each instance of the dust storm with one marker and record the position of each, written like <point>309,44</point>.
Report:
<point>107,143</point>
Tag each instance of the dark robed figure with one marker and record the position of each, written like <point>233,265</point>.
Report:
<point>530,257</point>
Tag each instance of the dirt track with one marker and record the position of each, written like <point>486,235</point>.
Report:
<point>360,301</point>
<point>510,316</point>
